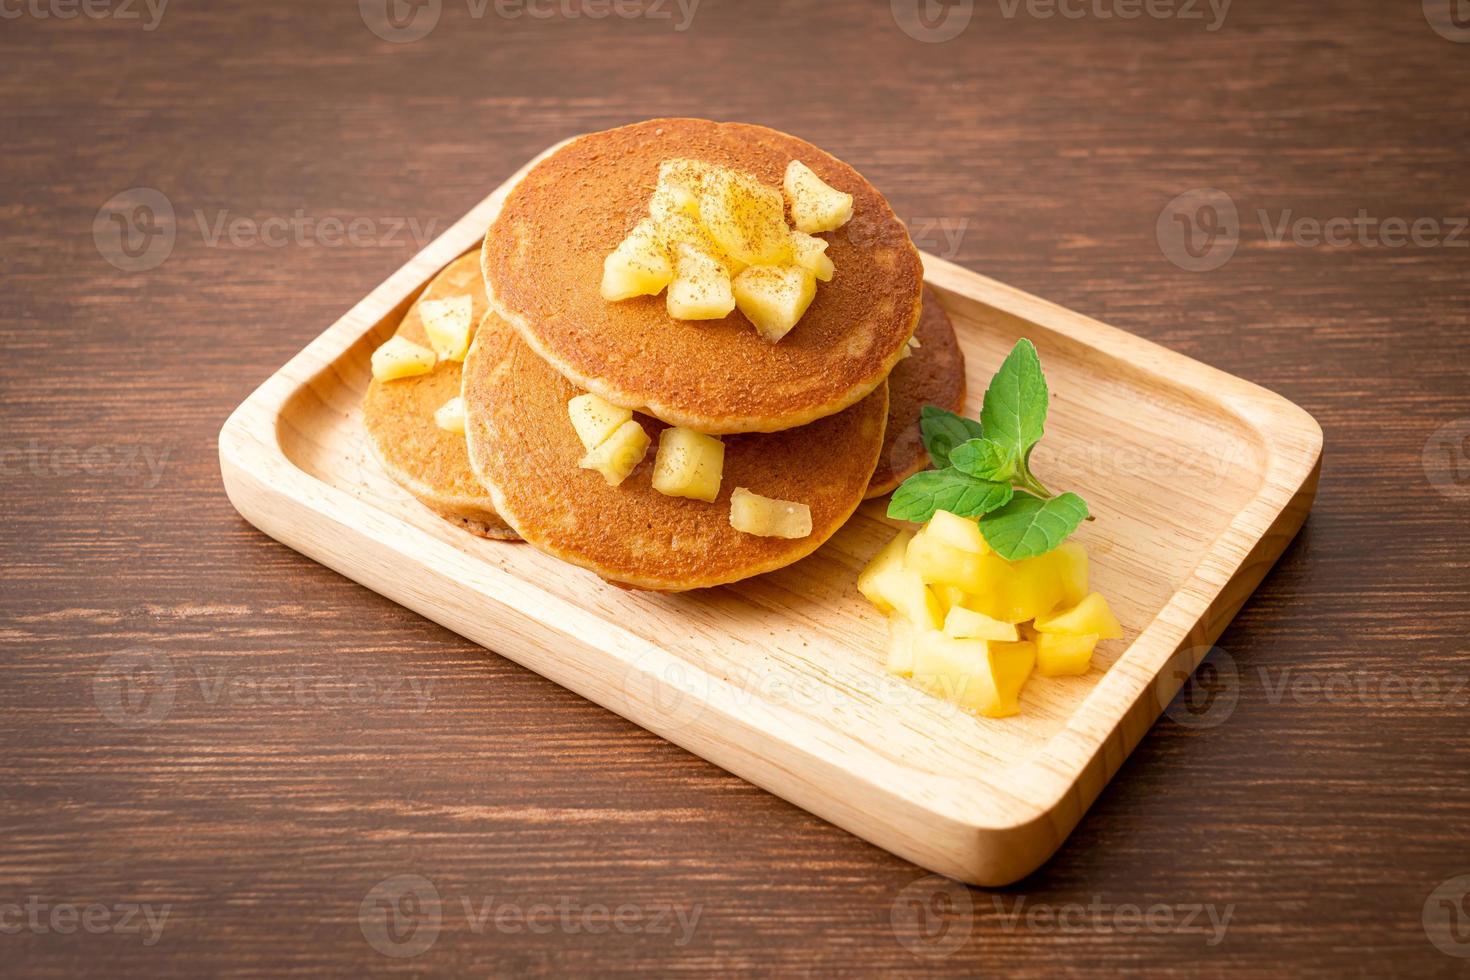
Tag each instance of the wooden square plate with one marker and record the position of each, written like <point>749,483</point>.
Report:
<point>1198,480</point>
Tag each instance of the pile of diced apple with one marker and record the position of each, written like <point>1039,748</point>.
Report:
<point>717,239</point>
<point>970,627</point>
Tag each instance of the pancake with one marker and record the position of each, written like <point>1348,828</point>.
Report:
<point>543,264</point>
<point>428,462</point>
<point>525,452</point>
<point>933,375</point>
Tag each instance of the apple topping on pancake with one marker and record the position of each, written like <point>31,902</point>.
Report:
<point>718,239</point>
<point>767,517</point>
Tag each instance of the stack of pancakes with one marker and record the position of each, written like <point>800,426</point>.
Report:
<point>826,417</point>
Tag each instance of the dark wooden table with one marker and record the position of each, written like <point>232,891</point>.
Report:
<point>315,742</point>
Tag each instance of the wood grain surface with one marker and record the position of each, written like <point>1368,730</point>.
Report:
<point>205,727</point>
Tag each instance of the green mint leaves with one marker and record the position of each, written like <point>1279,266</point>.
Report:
<point>943,431</point>
<point>948,489</point>
<point>985,466</point>
<point>1014,411</point>
<point>984,459</point>
<point>1029,526</point>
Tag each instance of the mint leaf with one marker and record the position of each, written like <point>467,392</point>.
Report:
<point>1014,411</point>
<point>949,489</point>
<point>1029,526</point>
<point>984,459</point>
<point>943,430</point>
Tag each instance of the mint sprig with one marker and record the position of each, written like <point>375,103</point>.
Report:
<point>1028,526</point>
<point>984,467</point>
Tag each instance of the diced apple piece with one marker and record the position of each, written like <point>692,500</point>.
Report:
<point>949,596</point>
<point>1063,655</point>
<point>874,579</point>
<point>958,532</point>
<point>816,206</point>
<point>768,517</point>
<point>619,454</point>
<point>639,266</point>
<point>449,325</point>
<point>671,199</point>
<point>746,218</point>
<point>900,646</point>
<point>955,670</point>
<point>891,586</point>
<point>1033,588</point>
<point>1011,665</point>
<point>774,298</point>
<point>810,253</point>
<point>678,188</point>
<point>400,358</point>
<point>685,178</point>
<point>1091,615</point>
<point>595,419</point>
<point>944,564</point>
<point>450,415</point>
<point>963,623</point>
<point>689,464</point>
<point>680,229</point>
<point>982,675</point>
<point>1071,560</point>
<point>701,287</point>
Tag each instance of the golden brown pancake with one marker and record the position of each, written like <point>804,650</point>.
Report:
<point>933,375</point>
<point>428,462</point>
<point>543,264</point>
<point>525,452</point>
